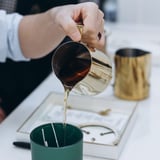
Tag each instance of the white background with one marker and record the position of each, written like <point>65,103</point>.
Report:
<point>139,11</point>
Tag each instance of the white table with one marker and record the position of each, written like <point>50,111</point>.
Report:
<point>142,144</point>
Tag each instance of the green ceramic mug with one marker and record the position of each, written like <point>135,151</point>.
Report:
<point>56,141</point>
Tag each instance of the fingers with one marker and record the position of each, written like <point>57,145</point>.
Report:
<point>63,19</point>
<point>93,32</point>
<point>94,38</point>
<point>72,31</point>
<point>101,45</point>
<point>93,23</point>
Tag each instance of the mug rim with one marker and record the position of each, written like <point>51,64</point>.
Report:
<point>56,123</point>
<point>131,52</point>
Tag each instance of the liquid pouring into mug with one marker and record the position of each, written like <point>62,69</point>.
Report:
<point>81,70</point>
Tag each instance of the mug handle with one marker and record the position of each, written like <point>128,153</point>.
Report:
<point>80,28</point>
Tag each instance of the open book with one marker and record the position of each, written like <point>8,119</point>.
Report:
<point>106,123</point>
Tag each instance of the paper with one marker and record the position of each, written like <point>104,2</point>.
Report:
<point>92,122</point>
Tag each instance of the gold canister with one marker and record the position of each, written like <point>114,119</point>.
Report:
<point>132,73</point>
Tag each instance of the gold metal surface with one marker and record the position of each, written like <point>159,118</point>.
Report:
<point>80,28</point>
<point>100,73</point>
<point>132,76</point>
<point>99,76</point>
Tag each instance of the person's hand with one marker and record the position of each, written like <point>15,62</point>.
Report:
<point>41,33</point>
<point>89,15</point>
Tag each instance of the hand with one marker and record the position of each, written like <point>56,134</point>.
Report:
<point>89,15</point>
<point>46,30</point>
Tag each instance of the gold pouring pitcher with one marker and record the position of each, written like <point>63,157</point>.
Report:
<point>132,73</point>
<point>81,70</point>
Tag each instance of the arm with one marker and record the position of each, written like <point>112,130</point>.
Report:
<point>41,33</point>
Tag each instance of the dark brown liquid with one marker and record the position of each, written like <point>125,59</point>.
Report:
<point>71,63</point>
<point>74,71</point>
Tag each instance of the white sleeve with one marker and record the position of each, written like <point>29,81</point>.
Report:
<point>9,41</point>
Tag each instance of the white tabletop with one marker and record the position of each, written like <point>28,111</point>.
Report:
<point>142,144</point>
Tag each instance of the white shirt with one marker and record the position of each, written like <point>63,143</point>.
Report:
<point>9,41</point>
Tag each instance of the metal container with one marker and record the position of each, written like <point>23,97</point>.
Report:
<point>132,73</point>
<point>80,69</point>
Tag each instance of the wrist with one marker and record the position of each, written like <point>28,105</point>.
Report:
<point>53,21</point>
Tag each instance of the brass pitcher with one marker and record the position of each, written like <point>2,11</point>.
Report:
<point>132,73</point>
<point>81,70</point>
